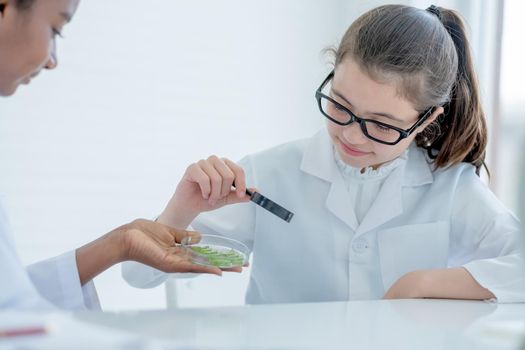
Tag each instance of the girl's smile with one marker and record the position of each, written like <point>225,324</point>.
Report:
<point>352,150</point>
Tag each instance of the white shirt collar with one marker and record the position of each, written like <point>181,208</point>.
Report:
<point>319,160</point>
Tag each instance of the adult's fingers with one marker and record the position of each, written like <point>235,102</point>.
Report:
<point>233,269</point>
<point>189,237</point>
<point>187,266</point>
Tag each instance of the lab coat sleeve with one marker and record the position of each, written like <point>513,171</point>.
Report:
<point>487,240</point>
<point>43,286</point>
<point>16,289</point>
<point>57,280</point>
<point>235,221</point>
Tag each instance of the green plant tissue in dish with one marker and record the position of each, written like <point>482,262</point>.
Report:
<point>219,256</point>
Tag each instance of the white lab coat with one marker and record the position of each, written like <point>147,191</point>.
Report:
<point>421,219</point>
<point>46,285</point>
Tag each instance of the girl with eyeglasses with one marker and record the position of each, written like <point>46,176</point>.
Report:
<point>388,200</point>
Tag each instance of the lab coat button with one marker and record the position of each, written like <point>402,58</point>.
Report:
<point>360,245</point>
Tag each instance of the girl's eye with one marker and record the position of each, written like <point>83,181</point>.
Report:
<point>382,128</point>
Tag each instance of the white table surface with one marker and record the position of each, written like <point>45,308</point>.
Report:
<point>398,324</point>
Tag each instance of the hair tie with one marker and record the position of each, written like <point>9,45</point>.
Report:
<point>434,10</point>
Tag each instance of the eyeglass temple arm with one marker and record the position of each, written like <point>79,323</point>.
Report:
<point>427,114</point>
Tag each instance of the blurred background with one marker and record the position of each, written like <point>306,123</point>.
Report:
<point>143,89</point>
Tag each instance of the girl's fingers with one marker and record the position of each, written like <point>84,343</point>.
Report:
<point>240,177</point>
<point>197,174</point>
<point>215,180</point>
<point>226,174</point>
<point>233,198</point>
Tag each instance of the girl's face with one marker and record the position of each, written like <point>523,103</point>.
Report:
<point>27,39</point>
<point>369,99</point>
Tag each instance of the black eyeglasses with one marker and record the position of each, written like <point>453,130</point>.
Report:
<point>373,129</point>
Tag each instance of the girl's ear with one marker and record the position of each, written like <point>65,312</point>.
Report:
<point>440,110</point>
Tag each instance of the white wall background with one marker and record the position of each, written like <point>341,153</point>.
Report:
<point>142,90</point>
<point>512,126</point>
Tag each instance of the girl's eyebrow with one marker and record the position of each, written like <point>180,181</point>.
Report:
<point>389,116</point>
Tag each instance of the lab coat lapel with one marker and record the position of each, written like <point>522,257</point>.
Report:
<point>340,204</point>
<point>389,202</point>
<point>318,160</point>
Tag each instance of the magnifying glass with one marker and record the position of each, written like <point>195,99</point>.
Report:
<point>270,205</point>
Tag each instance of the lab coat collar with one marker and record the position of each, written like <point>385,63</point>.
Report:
<point>318,157</point>
<point>319,160</point>
<point>418,169</point>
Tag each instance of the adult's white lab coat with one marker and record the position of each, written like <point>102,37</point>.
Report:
<point>421,219</point>
<point>46,285</point>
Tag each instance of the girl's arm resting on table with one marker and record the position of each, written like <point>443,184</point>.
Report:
<point>450,283</point>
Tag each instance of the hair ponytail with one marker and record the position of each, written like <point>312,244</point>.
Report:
<point>463,130</point>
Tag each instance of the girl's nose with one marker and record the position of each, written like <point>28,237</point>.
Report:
<point>354,134</point>
<point>52,60</point>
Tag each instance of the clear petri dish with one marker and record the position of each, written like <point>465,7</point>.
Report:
<point>217,251</point>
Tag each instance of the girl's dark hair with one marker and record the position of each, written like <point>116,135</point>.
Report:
<point>427,55</point>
